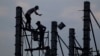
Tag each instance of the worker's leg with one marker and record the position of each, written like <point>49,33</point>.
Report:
<point>42,40</point>
<point>28,20</point>
<point>29,23</point>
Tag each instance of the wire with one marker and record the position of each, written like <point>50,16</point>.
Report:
<point>62,41</point>
<point>77,50</point>
<point>78,43</point>
<point>94,37</point>
<point>61,47</point>
<point>95,19</point>
<point>93,30</point>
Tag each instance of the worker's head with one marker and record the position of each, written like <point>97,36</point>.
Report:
<point>36,7</point>
<point>38,23</point>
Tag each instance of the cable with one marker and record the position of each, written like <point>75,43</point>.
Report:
<point>78,43</point>
<point>76,50</point>
<point>61,47</point>
<point>95,19</point>
<point>93,31</point>
<point>62,41</point>
<point>94,37</point>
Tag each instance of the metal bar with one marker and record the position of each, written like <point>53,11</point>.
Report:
<point>18,38</point>
<point>86,30</point>
<point>54,39</point>
<point>78,43</point>
<point>71,41</point>
<point>95,19</point>
<point>94,39</point>
<point>62,41</point>
<point>61,47</point>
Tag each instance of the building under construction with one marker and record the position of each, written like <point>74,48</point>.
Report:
<point>26,37</point>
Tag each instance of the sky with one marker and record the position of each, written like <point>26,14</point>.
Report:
<point>67,11</point>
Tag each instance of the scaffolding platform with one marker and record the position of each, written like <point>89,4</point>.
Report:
<point>33,49</point>
<point>32,30</point>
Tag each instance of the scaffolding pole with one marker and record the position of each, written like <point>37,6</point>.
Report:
<point>18,39</point>
<point>86,29</point>
<point>54,39</point>
<point>71,41</point>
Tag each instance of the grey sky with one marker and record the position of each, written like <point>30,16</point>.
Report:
<point>66,11</point>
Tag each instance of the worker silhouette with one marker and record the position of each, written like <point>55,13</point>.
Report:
<point>28,15</point>
<point>41,31</point>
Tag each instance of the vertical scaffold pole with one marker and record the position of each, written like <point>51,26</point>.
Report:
<point>71,41</point>
<point>54,39</point>
<point>86,29</point>
<point>18,38</point>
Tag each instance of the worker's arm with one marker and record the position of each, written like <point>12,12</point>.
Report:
<point>38,13</point>
<point>44,28</point>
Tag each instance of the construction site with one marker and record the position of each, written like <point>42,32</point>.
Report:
<point>40,42</point>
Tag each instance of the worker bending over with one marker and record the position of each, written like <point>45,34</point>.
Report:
<point>28,15</point>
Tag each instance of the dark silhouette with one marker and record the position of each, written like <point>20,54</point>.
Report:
<point>28,15</point>
<point>41,30</point>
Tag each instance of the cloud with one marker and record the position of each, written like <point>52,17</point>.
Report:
<point>96,11</point>
<point>71,12</point>
<point>22,3</point>
<point>3,11</point>
<point>97,15</point>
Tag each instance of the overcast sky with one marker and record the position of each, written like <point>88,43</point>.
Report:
<point>67,11</point>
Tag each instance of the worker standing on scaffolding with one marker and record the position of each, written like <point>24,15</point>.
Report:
<point>41,30</point>
<point>28,15</point>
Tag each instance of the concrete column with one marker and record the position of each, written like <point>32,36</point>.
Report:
<point>18,31</point>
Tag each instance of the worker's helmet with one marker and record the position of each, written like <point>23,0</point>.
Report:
<point>38,22</point>
<point>36,7</point>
